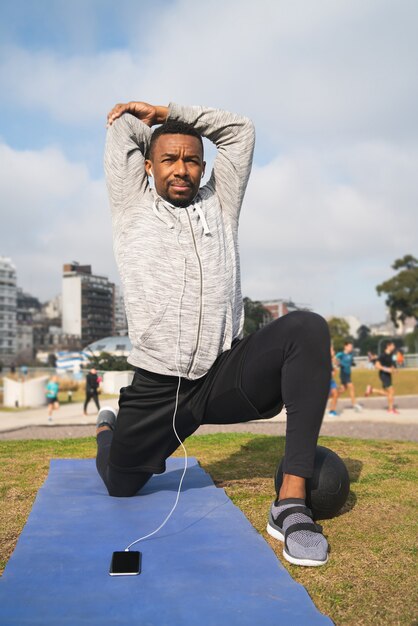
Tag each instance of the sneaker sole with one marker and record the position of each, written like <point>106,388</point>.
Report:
<point>274,532</point>
<point>303,562</point>
<point>277,534</point>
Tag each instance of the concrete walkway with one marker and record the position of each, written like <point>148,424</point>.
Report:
<point>72,414</point>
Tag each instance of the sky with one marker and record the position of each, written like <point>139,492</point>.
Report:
<point>332,88</point>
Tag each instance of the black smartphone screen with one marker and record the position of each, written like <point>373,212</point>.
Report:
<point>125,564</point>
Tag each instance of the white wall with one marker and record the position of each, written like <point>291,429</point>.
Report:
<point>113,381</point>
<point>71,305</point>
<point>28,393</point>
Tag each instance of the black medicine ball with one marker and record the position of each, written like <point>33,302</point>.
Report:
<point>327,490</point>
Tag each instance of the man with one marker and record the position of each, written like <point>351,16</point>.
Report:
<point>92,389</point>
<point>386,365</point>
<point>176,248</point>
<point>346,362</point>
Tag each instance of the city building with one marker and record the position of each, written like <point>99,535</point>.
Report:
<point>353,325</point>
<point>87,303</point>
<point>52,309</point>
<point>278,308</point>
<point>48,339</point>
<point>27,308</point>
<point>388,328</point>
<point>8,310</point>
<point>119,316</point>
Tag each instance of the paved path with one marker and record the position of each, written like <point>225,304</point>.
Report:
<point>373,422</point>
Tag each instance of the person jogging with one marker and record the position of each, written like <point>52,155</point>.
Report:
<point>176,247</point>
<point>386,365</point>
<point>345,359</point>
<point>52,388</point>
<point>92,389</point>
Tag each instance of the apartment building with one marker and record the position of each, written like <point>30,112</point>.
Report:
<point>87,303</point>
<point>8,310</point>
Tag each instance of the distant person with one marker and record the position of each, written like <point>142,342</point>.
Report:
<point>92,389</point>
<point>400,359</point>
<point>333,390</point>
<point>386,366</point>
<point>346,362</point>
<point>52,388</point>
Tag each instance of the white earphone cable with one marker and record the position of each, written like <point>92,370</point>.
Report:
<point>174,424</point>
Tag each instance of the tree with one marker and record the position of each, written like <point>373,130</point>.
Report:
<point>109,363</point>
<point>402,290</point>
<point>363,339</point>
<point>256,316</point>
<point>339,330</point>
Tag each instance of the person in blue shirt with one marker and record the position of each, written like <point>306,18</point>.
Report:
<point>346,362</point>
<point>52,389</point>
<point>333,389</point>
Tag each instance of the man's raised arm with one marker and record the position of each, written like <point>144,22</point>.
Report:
<point>234,138</point>
<point>127,140</point>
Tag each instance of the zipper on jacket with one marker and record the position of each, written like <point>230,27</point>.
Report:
<point>201,295</point>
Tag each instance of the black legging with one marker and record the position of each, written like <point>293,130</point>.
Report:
<point>286,361</point>
<point>292,354</point>
<point>91,395</point>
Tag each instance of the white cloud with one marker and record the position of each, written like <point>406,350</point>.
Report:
<point>333,91</point>
<point>304,71</point>
<point>307,236</point>
<point>51,213</point>
<point>74,90</point>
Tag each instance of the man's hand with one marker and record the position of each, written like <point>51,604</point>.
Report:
<point>147,113</point>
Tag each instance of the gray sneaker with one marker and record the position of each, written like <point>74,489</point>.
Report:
<point>291,521</point>
<point>107,417</point>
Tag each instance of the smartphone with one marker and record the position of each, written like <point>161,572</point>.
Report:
<point>125,564</point>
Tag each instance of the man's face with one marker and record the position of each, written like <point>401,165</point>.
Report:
<point>177,166</point>
<point>349,348</point>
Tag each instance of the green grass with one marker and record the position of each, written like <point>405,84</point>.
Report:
<point>405,381</point>
<point>79,396</point>
<point>371,576</point>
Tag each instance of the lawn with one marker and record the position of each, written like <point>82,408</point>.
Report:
<point>371,575</point>
<point>405,381</point>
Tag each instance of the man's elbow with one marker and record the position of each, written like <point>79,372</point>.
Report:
<point>248,129</point>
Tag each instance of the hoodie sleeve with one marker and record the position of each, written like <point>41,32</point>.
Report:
<point>234,138</point>
<point>126,144</point>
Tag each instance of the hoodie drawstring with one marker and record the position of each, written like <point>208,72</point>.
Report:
<point>170,221</point>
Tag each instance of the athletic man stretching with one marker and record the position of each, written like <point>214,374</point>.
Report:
<point>177,253</point>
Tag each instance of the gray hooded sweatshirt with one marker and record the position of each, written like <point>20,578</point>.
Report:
<point>179,266</point>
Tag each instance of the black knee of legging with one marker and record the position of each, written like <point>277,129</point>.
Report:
<point>308,331</point>
<point>283,355</point>
<point>125,485</point>
<point>118,484</point>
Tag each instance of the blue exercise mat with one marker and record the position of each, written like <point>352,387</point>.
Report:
<point>207,567</point>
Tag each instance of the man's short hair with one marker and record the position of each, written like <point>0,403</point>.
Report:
<point>172,127</point>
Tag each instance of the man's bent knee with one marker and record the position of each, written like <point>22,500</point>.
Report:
<point>306,323</point>
<point>122,492</point>
<point>126,485</point>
